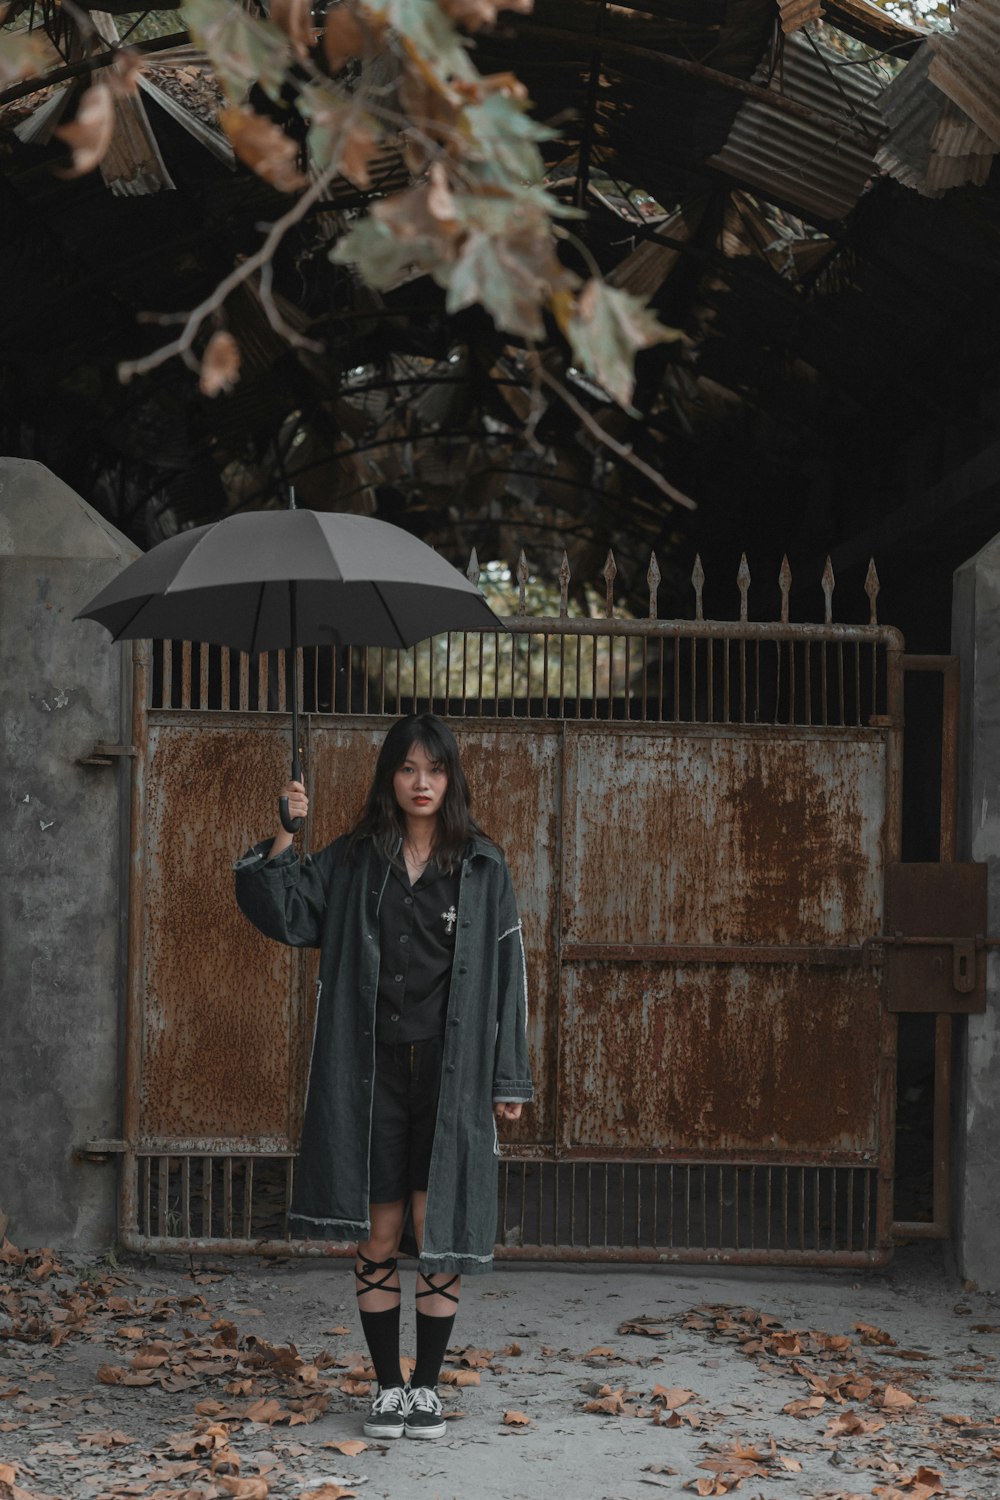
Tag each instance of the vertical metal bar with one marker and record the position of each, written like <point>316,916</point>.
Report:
<point>824,649</point>
<point>849,1212</point>
<point>590,1206</point>
<point>670,1205</point>
<point>135,992</point>
<point>817,1189</point>
<point>807,684</point>
<point>792,710</point>
<point>720,1206</point>
<point>185,1201</point>
<point>224,667</point>
<point>756,682</point>
<point>206,1197</point>
<point>627,686</point>
<point>677,680</point>
<point>742,652</point>
<point>545,676</point>
<point>162,1194</point>
<point>185,674</point>
<point>262,682</point>
<point>447,673</point>
<point>949,759</point>
<point>693,712</point>
<point>147,1194</point>
<point>289,1189</point>
<point>465,671</point>
<point>247,1196</point>
<point>833,1208</point>
<point>167,682</point>
<point>784,1208</point>
<point>579,676</point>
<point>524,1192</point>
<point>710,679</point>
<point>244,686</point>
<point>604,1227</point>
<point>802,1208</point>
<point>227,1197</point>
<point>203,676</point>
<point>866,1226</point>
<point>943,1032</point>
<point>572,1203</point>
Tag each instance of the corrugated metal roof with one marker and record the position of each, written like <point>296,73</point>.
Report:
<point>797,13</point>
<point>820,166</point>
<point>966,66</point>
<point>932,145</point>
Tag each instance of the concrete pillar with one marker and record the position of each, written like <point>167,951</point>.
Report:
<point>976,1121</point>
<point>63,842</point>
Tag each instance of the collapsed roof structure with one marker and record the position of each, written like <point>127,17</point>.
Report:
<point>807,191</point>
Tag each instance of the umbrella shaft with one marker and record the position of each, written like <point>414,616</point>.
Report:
<point>293,686</point>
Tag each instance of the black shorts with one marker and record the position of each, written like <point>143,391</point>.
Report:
<point>404,1113</point>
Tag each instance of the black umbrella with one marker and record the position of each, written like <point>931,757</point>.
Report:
<point>270,579</point>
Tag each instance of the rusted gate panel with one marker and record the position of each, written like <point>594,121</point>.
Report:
<point>724,847</point>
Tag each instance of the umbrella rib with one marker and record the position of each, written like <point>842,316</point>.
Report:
<point>119,634</point>
<point>403,643</point>
<point>256,620</point>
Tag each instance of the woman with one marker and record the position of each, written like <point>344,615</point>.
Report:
<point>420,1044</point>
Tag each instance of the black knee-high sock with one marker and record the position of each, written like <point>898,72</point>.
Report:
<point>432,1341</point>
<point>381,1331</point>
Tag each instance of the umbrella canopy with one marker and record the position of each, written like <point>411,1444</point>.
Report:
<point>270,579</point>
<point>357,581</point>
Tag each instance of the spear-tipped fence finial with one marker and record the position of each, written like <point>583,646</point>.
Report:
<point>743,584</point>
<point>698,580</point>
<point>472,572</point>
<point>785,585</point>
<point>653,579</point>
<point>609,572</point>
<point>872,587</point>
<point>564,578</point>
<point>829,584</point>
<point>522,583</point>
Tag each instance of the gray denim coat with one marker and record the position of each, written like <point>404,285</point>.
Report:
<point>331,902</point>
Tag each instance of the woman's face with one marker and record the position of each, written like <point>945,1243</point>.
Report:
<point>420,785</point>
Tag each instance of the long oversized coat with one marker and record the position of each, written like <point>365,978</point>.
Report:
<point>331,901</point>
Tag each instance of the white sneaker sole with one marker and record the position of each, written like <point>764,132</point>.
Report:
<point>426,1432</point>
<point>371,1430</point>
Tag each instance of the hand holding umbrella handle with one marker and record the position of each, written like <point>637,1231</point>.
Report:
<point>293,789</point>
<point>289,824</point>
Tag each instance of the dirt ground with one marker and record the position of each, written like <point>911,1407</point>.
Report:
<point>173,1378</point>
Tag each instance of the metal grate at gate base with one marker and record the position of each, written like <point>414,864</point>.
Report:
<point>599,1211</point>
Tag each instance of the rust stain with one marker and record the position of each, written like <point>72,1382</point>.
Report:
<point>686,1060</point>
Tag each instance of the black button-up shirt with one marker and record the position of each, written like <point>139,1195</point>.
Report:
<point>416,947</point>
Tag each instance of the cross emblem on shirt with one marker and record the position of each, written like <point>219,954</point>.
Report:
<point>449,917</point>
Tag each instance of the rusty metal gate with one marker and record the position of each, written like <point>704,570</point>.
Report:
<point>699,818</point>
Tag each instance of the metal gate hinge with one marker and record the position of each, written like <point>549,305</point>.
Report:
<point>98,1151</point>
<point>105,755</point>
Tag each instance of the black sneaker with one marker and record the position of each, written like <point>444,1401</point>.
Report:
<point>386,1418</point>
<point>423,1413</point>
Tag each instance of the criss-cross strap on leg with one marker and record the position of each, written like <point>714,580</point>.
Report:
<point>365,1271</point>
<point>436,1291</point>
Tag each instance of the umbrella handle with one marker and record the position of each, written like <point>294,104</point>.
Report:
<point>290,825</point>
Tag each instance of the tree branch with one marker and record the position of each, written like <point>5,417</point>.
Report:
<point>604,437</point>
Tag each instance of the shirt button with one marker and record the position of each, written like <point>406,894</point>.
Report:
<point>462,969</point>
<point>450,1068</point>
<point>407,900</point>
<point>393,1018</point>
<point>404,938</point>
<point>398,978</point>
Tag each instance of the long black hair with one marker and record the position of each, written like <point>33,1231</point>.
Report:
<point>382,819</point>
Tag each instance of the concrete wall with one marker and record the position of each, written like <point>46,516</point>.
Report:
<point>63,838</point>
<point>976,1124</point>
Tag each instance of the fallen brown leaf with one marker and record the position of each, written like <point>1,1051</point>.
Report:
<point>349,1447</point>
<point>516,1419</point>
<point>253,1488</point>
<point>672,1396</point>
<point>893,1399</point>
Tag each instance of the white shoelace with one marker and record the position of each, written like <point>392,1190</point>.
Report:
<point>393,1399</point>
<point>424,1399</point>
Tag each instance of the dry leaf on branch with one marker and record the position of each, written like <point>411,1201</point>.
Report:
<point>220,370</point>
<point>89,133</point>
<point>474,14</point>
<point>295,19</point>
<point>264,148</point>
